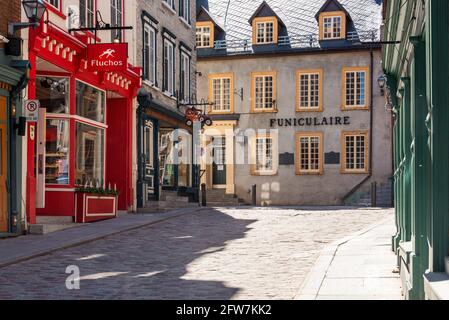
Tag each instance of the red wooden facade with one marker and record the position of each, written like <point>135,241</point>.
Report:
<point>69,53</point>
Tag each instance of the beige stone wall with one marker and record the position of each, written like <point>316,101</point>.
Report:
<point>286,187</point>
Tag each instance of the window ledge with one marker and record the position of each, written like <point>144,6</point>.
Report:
<point>169,95</point>
<point>185,22</point>
<point>309,110</point>
<point>168,7</point>
<point>351,108</point>
<point>152,85</point>
<point>436,286</point>
<point>264,111</point>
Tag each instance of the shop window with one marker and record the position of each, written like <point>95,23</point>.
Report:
<point>263,92</point>
<point>309,90</point>
<point>185,77</point>
<point>90,102</point>
<point>53,94</point>
<point>355,152</point>
<point>265,30</point>
<point>264,149</point>
<point>57,151</point>
<point>309,153</point>
<point>332,25</point>
<point>116,19</point>
<point>150,54</point>
<point>184,10</point>
<point>221,93</point>
<point>355,88</point>
<point>166,158</point>
<point>204,34</point>
<point>89,163</point>
<point>169,67</point>
<point>87,13</point>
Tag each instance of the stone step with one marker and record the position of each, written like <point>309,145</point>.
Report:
<point>46,228</point>
<point>174,198</point>
<point>54,219</point>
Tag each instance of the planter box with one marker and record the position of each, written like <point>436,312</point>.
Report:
<point>90,207</point>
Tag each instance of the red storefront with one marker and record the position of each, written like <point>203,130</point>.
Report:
<point>84,137</point>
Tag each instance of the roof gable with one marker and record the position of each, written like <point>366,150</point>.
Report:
<point>264,10</point>
<point>332,5</point>
<point>204,15</point>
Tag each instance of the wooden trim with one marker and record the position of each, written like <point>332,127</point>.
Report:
<point>320,94</point>
<point>258,20</point>
<point>211,25</point>
<point>214,76</point>
<point>366,106</point>
<point>253,149</point>
<point>328,14</point>
<point>253,91</point>
<point>344,134</point>
<point>320,170</point>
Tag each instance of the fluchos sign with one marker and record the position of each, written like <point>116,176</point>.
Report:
<point>107,57</point>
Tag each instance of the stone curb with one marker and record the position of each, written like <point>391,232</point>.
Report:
<point>76,242</point>
<point>312,284</point>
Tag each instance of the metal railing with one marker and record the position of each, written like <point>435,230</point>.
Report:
<point>296,41</point>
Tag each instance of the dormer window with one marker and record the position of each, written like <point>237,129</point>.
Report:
<point>204,34</point>
<point>265,30</point>
<point>332,25</point>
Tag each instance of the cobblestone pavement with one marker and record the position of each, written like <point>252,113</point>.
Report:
<point>244,253</point>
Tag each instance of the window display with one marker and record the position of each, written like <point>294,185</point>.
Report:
<point>57,152</point>
<point>89,163</point>
<point>90,102</point>
<point>53,94</point>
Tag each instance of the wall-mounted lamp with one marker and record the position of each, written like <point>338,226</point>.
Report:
<point>34,10</point>
<point>381,82</point>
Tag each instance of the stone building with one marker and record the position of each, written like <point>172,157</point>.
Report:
<point>166,51</point>
<point>296,107</point>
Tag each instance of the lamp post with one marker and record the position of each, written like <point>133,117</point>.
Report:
<point>381,81</point>
<point>34,10</point>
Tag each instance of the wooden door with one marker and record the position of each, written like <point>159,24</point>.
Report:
<point>3,167</point>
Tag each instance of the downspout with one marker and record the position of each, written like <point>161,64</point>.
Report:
<point>371,122</point>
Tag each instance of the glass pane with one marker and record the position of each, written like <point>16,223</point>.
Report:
<point>53,94</point>
<point>90,102</point>
<point>57,151</point>
<point>89,164</point>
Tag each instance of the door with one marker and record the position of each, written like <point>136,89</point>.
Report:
<point>148,161</point>
<point>3,167</point>
<point>219,162</point>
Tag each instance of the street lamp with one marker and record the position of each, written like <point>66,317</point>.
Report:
<point>382,81</point>
<point>34,10</point>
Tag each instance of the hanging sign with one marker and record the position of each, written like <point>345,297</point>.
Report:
<point>32,110</point>
<point>107,57</point>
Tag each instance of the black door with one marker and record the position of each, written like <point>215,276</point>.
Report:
<point>219,161</point>
<point>147,162</point>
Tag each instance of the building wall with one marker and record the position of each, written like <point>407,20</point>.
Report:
<point>285,187</point>
<point>185,33</point>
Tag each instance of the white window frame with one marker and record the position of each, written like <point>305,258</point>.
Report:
<point>263,27</point>
<point>265,101</point>
<point>330,33</point>
<point>353,94</point>
<point>220,78</point>
<point>185,75</point>
<point>170,3</point>
<point>117,13</point>
<point>184,10</point>
<point>88,13</point>
<point>169,73</point>
<point>54,3</point>
<point>344,162</point>
<point>201,35</point>
<point>299,153</point>
<point>260,167</point>
<point>151,46</point>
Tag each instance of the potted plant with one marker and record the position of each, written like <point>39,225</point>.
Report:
<point>94,203</point>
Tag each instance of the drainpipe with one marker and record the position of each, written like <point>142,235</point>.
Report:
<point>371,122</point>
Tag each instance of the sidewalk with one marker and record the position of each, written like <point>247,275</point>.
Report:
<point>359,267</point>
<point>14,250</point>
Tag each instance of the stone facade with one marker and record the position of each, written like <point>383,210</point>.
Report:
<point>285,187</point>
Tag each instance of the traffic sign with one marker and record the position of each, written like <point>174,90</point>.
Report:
<point>32,110</point>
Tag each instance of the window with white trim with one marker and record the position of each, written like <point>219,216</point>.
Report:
<point>185,77</point>
<point>355,87</point>
<point>149,42</point>
<point>309,153</point>
<point>355,152</point>
<point>265,32</point>
<point>332,27</point>
<point>265,152</point>
<point>309,90</point>
<point>169,67</point>
<point>221,92</point>
<point>116,19</point>
<point>184,10</point>
<point>264,91</point>
<point>203,36</point>
<point>171,3</point>
<point>87,15</point>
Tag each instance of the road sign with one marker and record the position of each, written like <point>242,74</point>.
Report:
<point>32,110</point>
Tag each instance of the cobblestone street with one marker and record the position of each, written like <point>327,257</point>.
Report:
<point>243,253</point>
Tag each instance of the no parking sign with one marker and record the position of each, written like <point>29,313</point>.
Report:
<point>32,110</point>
